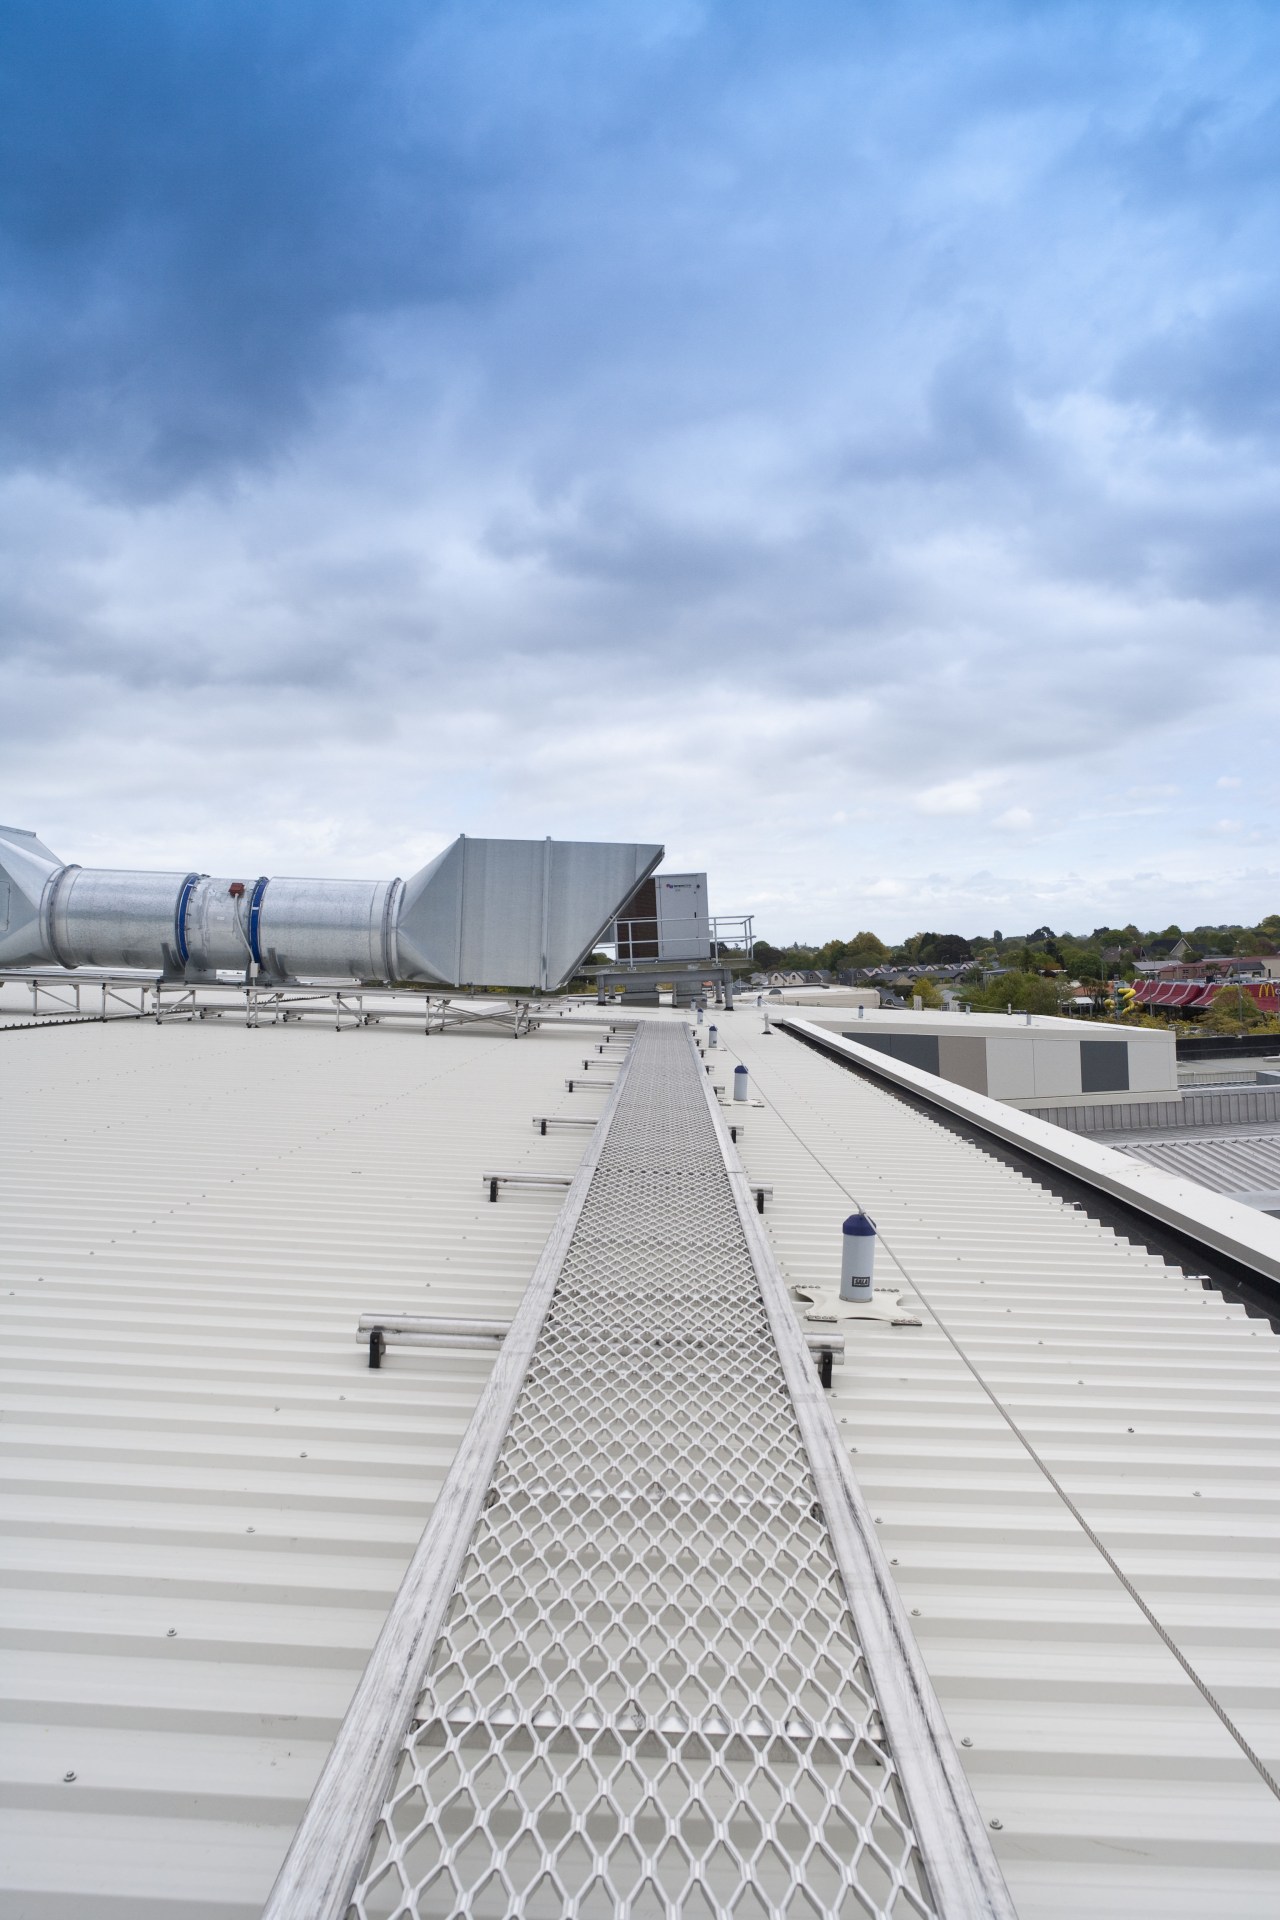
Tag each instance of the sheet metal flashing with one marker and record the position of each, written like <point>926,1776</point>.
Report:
<point>1236,1232</point>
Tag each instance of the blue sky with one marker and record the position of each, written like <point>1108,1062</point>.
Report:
<point>841,441</point>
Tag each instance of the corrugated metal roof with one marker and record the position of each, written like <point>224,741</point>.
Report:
<point>1193,1110</point>
<point>210,1208</point>
<point>1246,1164</point>
<point>1151,1402</point>
<point>1229,1163</point>
<point>209,1499</point>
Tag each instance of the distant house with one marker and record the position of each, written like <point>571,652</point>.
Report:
<point>1177,949</point>
<point>792,977</point>
<point>1213,967</point>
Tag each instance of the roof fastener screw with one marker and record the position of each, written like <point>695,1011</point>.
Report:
<point>251,1529</point>
<point>915,1613</point>
<point>70,1774</point>
<point>302,1456</point>
<point>172,1634</point>
<point>966,1742</point>
<point>998,1825</point>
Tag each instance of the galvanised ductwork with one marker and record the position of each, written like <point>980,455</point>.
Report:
<point>512,913</point>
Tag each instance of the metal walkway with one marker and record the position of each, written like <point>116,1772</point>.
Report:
<point>623,1677</point>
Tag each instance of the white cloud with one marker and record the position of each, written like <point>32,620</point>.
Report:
<point>956,796</point>
<point>641,527</point>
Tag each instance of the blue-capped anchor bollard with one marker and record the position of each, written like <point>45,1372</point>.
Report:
<point>741,1084</point>
<point>713,1038</point>
<point>858,1257</point>
<point>699,1013</point>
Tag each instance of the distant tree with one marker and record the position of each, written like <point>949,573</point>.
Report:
<point>1233,1011</point>
<point>926,992</point>
<point>945,949</point>
<point>1025,992</point>
<point>1084,962</point>
<point>863,950</point>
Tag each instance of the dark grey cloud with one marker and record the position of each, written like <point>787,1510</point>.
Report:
<point>850,431</point>
<point>195,201</point>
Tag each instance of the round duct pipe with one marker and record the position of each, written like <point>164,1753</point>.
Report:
<point>510,913</point>
<point>99,917</point>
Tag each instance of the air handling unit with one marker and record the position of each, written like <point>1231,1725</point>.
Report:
<point>666,918</point>
<point>504,913</point>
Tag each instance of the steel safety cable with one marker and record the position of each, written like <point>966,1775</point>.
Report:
<point>1202,1687</point>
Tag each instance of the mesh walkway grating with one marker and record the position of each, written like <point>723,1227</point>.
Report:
<point>648,1698</point>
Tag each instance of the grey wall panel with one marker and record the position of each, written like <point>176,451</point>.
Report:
<point>916,1049</point>
<point>1104,1066</point>
<point>963,1058</point>
<point>879,1042</point>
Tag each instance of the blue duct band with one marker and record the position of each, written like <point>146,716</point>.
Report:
<point>255,916</point>
<point>180,917</point>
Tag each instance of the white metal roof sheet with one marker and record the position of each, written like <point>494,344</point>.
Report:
<point>1052,1350</point>
<point>1235,1162</point>
<point>193,1218</point>
<point>208,1498</point>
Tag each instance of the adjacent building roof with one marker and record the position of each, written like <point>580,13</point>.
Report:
<point>1243,1164</point>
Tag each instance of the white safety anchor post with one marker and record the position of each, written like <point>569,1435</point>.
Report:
<point>857,1257</point>
<point>713,1038</point>
<point>767,1027</point>
<point>741,1084</point>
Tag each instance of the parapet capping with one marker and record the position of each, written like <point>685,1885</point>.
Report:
<point>1239,1234</point>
